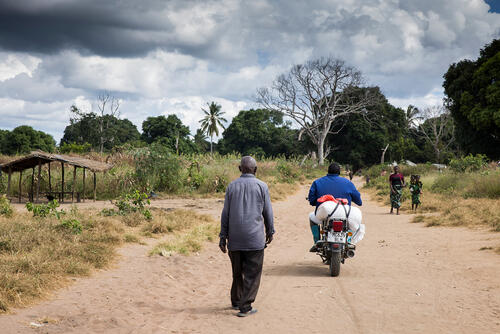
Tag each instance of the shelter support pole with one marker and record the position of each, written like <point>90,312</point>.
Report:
<point>32,183</point>
<point>62,182</point>
<point>83,193</point>
<point>20,185</point>
<point>8,182</point>
<point>95,184</point>
<point>74,184</point>
<point>38,179</point>
<point>50,181</point>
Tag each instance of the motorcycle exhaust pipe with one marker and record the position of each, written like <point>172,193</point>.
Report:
<point>350,253</point>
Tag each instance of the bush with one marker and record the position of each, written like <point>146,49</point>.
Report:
<point>134,202</point>
<point>5,208</point>
<point>72,225</point>
<point>287,172</point>
<point>44,210</point>
<point>470,163</point>
<point>157,168</point>
<point>75,148</point>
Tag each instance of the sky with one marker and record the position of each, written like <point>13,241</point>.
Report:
<point>172,57</point>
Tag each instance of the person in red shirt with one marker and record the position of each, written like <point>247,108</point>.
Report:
<point>397,183</point>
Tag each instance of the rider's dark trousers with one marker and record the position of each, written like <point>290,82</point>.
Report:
<point>247,269</point>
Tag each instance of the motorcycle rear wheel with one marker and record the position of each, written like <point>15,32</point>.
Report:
<point>335,259</point>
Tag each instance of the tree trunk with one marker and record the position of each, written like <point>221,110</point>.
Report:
<point>321,150</point>
<point>211,151</point>
<point>383,154</point>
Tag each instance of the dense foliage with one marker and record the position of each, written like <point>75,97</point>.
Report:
<point>104,132</point>
<point>168,131</point>
<point>473,92</point>
<point>25,139</point>
<point>261,133</point>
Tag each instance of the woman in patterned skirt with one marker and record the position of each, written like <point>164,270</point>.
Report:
<point>396,182</point>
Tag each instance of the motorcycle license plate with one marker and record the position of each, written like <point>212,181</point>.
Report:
<point>336,237</point>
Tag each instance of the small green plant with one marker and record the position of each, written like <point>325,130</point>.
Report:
<point>44,210</point>
<point>72,225</point>
<point>5,207</point>
<point>286,172</point>
<point>130,203</point>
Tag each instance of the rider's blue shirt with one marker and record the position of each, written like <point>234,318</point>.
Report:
<point>338,187</point>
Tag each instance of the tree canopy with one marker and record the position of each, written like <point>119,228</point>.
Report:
<point>105,131</point>
<point>168,131</point>
<point>25,139</point>
<point>260,132</point>
<point>473,97</point>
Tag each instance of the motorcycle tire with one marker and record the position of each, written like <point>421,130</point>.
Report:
<point>335,259</point>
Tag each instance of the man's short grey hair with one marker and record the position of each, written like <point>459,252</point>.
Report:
<point>248,163</point>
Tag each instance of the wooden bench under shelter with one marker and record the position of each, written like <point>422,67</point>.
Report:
<point>39,158</point>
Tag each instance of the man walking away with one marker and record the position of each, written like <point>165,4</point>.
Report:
<point>247,226</point>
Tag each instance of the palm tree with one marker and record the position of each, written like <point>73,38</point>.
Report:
<point>412,117</point>
<point>212,120</point>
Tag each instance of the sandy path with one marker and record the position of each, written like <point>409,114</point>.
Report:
<point>405,278</point>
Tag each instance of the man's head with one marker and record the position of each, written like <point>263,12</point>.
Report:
<point>334,168</point>
<point>248,165</point>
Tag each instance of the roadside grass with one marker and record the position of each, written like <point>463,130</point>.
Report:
<point>190,229</point>
<point>37,255</point>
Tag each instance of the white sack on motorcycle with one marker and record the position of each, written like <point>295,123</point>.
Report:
<point>334,211</point>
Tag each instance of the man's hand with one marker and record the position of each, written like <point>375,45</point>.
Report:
<point>269,238</point>
<point>222,245</point>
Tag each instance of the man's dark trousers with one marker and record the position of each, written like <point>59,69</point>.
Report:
<point>247,269</point>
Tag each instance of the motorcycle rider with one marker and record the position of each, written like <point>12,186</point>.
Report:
<point>335,185</point>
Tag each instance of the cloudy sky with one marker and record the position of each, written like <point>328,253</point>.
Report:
<point>173,56</point>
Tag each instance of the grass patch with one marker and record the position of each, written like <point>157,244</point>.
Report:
<point>37,255</point>
<point>131,238</point>
<point>191,231</point>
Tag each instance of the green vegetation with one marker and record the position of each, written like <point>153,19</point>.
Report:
<point>5,208</point>
<point>134,202</point>
<point>25,139</point>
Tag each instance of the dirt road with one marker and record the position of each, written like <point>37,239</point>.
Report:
<point>405,278</point>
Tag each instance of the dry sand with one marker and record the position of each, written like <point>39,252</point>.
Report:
<point>405,278</point>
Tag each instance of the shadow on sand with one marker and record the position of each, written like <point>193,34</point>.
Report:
<point>298,270</point>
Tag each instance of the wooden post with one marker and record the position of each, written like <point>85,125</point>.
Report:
<point>20,185</point>
<point>95,184</point>
<point>38,179</point>
<point>32,183</point>
<point>50,181</point>
<point>83,194</point>
<point>62,182</point>
<point>8,182</point>
<point>74,183</point>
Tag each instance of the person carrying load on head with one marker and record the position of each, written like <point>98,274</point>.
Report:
<point>397,183</point>
<point>335,185</point>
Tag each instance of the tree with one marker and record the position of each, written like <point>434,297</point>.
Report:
<point>212,120</point>
<point>437,130</point>
<point>473,98</point>
<point>85,127</point>
<point>25,139</point>
<point>169,131</point>
<point>317,95</point>
<point>200,141</point>
<point>260,132</point>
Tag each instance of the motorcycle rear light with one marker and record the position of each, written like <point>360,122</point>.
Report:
<point>337,226</point>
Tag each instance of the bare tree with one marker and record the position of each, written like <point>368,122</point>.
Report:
<point>106,101</point>
<point>318,95</point>
<point>438,129</point>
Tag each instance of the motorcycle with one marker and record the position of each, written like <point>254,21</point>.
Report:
<point>334,246</point>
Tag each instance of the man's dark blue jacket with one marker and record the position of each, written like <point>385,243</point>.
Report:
<point>338,187</point>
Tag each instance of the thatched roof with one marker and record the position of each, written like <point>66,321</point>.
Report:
<point>35,157</point>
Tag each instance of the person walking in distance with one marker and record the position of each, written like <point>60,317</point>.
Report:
<point>247,227</point>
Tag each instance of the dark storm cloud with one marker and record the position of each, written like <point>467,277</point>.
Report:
<point>107,28</point>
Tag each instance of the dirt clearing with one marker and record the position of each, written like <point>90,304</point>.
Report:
<point>405,278</point>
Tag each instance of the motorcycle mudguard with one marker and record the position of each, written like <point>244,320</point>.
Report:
<point>339,249</point>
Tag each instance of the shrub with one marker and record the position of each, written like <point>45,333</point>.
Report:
<point>287,172</point>
<point>75,148</point>
<point>134,202</point>
<point>5,207</point>
<point>470,163</point>
<point>44,210</point>
<point>72,225</point>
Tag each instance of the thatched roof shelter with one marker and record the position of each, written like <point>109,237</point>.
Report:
<point>39,158</point>
<point>34,158</point>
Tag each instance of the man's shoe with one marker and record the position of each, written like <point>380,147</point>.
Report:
<point>313,249</point>
<point>246,314</point>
